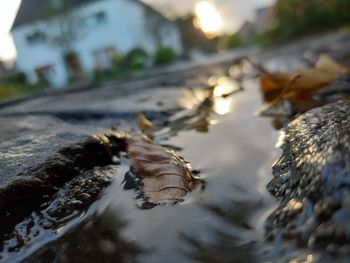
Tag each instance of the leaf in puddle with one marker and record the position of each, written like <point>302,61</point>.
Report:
<point>165,177</point>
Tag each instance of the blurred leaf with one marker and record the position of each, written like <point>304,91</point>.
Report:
<point>328,64</point>
<point>309,80</point>
<point>290,93</point>
<point>143,122</point>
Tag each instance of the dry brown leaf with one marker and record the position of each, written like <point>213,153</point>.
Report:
<point>328,64</point>
<point>165,177</point>
<point>143,122</point>
<point>291,93</point>
<point>325,72</point>
<point>309,81</point>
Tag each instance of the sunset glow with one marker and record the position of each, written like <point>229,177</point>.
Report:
<point>8,11</point>
<point>208,18</point>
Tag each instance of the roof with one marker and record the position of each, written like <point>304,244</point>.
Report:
<point>31,10</point>
<point>262,10</point>
<point>264,18</point>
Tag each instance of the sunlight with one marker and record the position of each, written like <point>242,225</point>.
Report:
<point>224,86</point>
<point>8,11</point>
<point>222,106</point>
<point>208,18</point>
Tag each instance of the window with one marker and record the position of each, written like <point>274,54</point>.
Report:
<point>104,58</point>
<point>45,73</point>
<point>101,18</point>
<point>36,38</point>
<point>95,20</point>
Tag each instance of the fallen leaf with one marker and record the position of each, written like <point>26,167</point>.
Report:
<point>325,72</point>
<point>309,81</point>
<point>288,94</point>
<point>144,123</point>
<point>328,64</point>
<point>165,178</point>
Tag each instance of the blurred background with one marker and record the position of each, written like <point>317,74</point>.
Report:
<point>61,44</point>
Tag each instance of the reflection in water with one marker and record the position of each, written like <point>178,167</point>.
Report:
<point>191,98</point>
<point>222,106</point>
<point>220,224</point>
<point>223,249</point>
<point>225,245</point>
<point>220,90</point>
<point>309,259</point>
<point>238,214</point>
<point>97,240</point>
<point>202,107</point>
<point>224,86</point>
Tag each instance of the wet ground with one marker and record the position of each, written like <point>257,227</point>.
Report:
<point>223,220</point>
<point>88,216</point>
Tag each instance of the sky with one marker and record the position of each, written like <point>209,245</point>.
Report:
<point>233,12</point>
<point>8,9</point>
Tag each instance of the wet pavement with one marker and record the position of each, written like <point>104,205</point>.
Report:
<point>225,219</point>
<point>88,216</point>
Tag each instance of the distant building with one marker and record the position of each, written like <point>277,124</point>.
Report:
<point>246,31</point>
<point>106,27</point>
<point>265,19</point>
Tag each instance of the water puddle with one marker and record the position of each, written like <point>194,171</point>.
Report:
<point>223,222</point>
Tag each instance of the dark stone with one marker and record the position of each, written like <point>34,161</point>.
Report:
<point>26,193</point>
<point>312,181</point>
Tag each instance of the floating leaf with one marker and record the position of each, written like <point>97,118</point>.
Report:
<point>164,176</point>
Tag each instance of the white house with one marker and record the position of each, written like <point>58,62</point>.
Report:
<point>95,30</point>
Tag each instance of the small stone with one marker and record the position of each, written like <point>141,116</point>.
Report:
<point>345,250</point>
<point>75,202</point>
<point>84,197</point>
<point>47,225</point>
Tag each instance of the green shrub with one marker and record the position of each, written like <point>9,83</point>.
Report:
<point>136,59</point>
<point>297,17</point>
<point>9,91</point>
<point>101,75</point>
<point>164,55</point>
<point>16,85</point>
<point>15,78</point>
<point>230,41</point>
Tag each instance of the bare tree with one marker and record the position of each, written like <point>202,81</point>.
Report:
<point>156,24</point>
<point>62,27</point>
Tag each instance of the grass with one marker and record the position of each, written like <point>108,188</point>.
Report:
<point>10,91</point>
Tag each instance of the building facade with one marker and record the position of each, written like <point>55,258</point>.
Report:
<point>102,28</point>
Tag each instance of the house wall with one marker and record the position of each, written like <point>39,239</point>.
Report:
<point>125,29</point>
<point>30,57</point>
